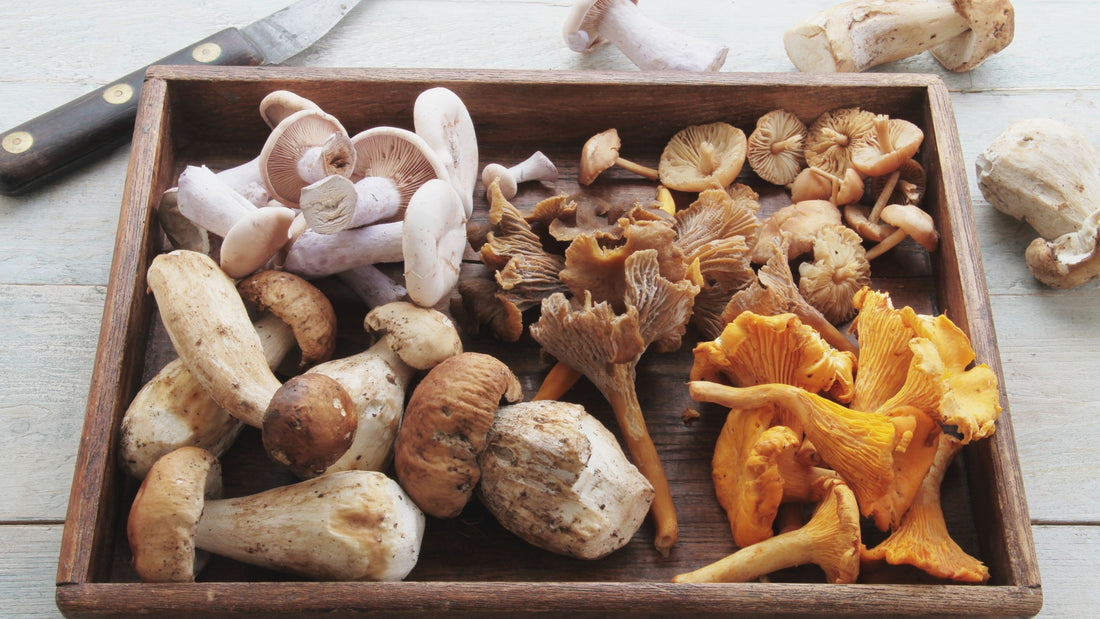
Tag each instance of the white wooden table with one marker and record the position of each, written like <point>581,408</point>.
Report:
<point>57,242</point>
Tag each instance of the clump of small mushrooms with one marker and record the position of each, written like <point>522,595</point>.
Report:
<point>860,34</point>
<point>1044,172</point>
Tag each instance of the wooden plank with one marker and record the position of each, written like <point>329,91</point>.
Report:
<point>27,567</point>
<point>46,349</point>
<point>1067,558</point>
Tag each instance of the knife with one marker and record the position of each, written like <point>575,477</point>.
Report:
<point>76,132</point>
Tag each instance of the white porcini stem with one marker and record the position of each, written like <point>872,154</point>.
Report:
<point>348,526</point>
<point>334,203</point>
<point>651,45</point>
<point>854,36</point>
<point>373,286</point>
<point>537,167</point>
<point>208,202</point>
<point>317,255</point>
<point>247,180</point>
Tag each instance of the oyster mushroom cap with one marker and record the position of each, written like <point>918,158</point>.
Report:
<point>445,426</point>
<point>839,269</point>
<point>700,157</point>
<point>556,477</point>
<point>774,147</point>
<point>833,136</point>
<point>165,514</point>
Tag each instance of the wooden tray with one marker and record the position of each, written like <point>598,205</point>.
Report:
<point>470,565</point>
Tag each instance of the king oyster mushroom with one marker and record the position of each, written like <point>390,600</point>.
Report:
<point>556,477</point>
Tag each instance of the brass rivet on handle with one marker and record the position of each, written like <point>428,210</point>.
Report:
<point>207,52</point>
<point>118,93</point>
<point>18,142</point>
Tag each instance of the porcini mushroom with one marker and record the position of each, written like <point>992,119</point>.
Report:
<point>445,429</point>
<point>830,540</point>
<point>441,118</point>
<point>309,423</point>
<point>556,477</point>
<point>775,147</point>
<point>354,525</point>
<point>908,221</point>
<point>858,35</point>
<point>537,167</point>
<point>700,157</point>
<point>648,43</point>
<point>1069,260</point>
<point>600,152</point>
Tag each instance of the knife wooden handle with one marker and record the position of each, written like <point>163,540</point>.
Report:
<point>61,139</point>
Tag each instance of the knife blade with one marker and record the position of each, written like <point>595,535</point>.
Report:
<point>62,139</point>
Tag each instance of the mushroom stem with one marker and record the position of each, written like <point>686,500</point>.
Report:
<point>886,244</point>
<point>884,196</point>
<point>636,168</point>
<point>651,45</point>
<point>333,156</point>
<point>354,525</point>
<point>558,380</point>
<point>247,180</point>
<point>210,203</point>
<point>335,203</point>
<point>858,35</point>
<point>373,286</point>
<point>628,414</point>
<point>317,255</point>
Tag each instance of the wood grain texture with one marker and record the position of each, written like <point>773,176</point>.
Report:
<point>59,240</point>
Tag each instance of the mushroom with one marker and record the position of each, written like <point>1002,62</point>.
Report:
<point>278,104</point>
<point>648,43</point>
<point>858,218</point>
<point>254,240</point>
<point>775,147</point>
<point>207,322</point>
<point>335,203</point>
<point>858,35</point>
<point>370,284</point>
<point>830,540</point>
<point>1069,260</point>
<point>445,429</point>
<point>600,152</point>
<point>798,223</point>
<point>922,539</point>
<point>537,167</point>
<point>309,423</point>
<point>350,526</point>
<point>703,157</point>
<point>556,477</point>
<point>833,137</point>
<point>908,221</point>
<point>882,153</point>
<point>314,254</point>
<point>817,184</point>
<point>910,185</point>
<point>441,118</point>
<point>302,149</point>
<point>605,346</point>
<point>412,338</point>
<point>1043,172</point>
<point>839,269</point>
<point>183,233</point>
<point>433,242</point>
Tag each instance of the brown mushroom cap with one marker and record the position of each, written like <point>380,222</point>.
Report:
<point>703,157</point>
<point>598,154</point>
<point>444,430</point>
<point>166,511</point>
<point>299,304</point>
<point>916,223</point>
<point>290,140</point>
<point>309,424</point>
<point>883,150</point>
<point>775,147</point>
<point>833,135</point>
<point>397,154</point>
<point>858,218</point>
<point>799,223</point>
<point>992,25</point>
<point>817,184</point>
<point>405,326</point>
<point>840,268</point>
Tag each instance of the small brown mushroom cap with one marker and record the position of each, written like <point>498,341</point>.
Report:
<point>701,157</point>
<point>833,135</point>
<point>290,140</point>
<point>799,223</point>
<point>444,430</point>
<point>775,147</point>
<point>816,184</point>
<point>406,327</point>
<point>916,223</point>
<point>309,424</point>
<point>858,218</point>
<point>299,304</point>
<point>839,269</point>
<point>598,154</point>
<point>883,150</point>
<point>992,25</point>
<point>166,511</point>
